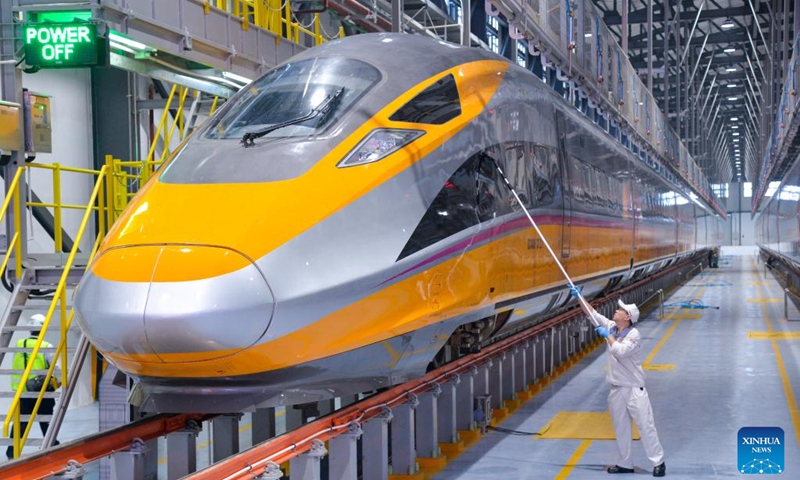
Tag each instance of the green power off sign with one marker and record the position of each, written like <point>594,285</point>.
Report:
<point>61,45</point>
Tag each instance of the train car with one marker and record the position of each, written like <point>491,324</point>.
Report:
<point>341,225</point>
<point>776,225</point>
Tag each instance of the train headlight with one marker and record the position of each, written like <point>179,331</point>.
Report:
<point>378,144</point>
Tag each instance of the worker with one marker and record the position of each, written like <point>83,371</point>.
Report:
<point>628,399</point>
<point>41,362</point>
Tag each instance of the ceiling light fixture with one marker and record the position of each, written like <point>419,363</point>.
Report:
<point>729,50</point>
<point>735,134</point>
<point>728,24</point>
<point>733,119</point>
<point>730,69</point>
<point>732,85</point>
<point>587,35</point>
<point>733,98</point>
<point>734,126</point>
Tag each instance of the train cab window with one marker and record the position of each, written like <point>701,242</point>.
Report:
<point>287,96</point>
<point>453,210</point>
<point>435,105</point>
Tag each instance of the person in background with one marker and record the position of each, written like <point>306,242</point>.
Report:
<point>41,362</point>
<point>628,399</point>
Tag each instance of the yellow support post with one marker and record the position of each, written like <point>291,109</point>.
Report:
<point>317,31</point>
<point>168,136</point>
<point>63,318</point>
<point>287,16</point>
<point>18,229</point>
<point>214,106</point>
<point>110,190</point>
<point>152,151</point>
<point>57,218</point>
<point>102,214</point>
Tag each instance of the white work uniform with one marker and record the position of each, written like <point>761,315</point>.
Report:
<point>628,398</point>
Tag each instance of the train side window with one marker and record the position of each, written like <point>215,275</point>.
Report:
<point>518,174</point>
<point>493,195</point>
<point>435,105</point>
<point>453,210</point>
<point>543,174</point>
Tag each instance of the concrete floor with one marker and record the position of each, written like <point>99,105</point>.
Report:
<point>722,380</point>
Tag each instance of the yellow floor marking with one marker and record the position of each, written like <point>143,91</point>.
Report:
<point>787,386</point>
<point>763,300</point>
<point>683,316</point>
<point>774,335</point>
<point>652,355</point>
<point>758,283</point>
<point>659,366</point>
<point>573,460</point>
<point>664,339</point>
<point>582,426</point>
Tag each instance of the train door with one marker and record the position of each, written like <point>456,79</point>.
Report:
<point>566,189</point>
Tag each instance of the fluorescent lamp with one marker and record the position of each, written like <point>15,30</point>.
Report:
<point>587,35</point>
<point>731,85</point>
<point>730,69</point>
<point>728,24</point>
<point>733,98</point>
<point>236,78</point>
<point>117,38</point>
<point>733,119</point>
<point>729,50</point>
<point>122,47</point>
<point>734,126</point>
<point>735,134</point>
<point>737,150</point>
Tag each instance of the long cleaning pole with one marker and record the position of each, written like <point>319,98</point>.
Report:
<point>581,300</point>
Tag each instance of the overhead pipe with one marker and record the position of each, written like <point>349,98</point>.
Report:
<point>761,33</point>
<point>753,71</point>
<point>708,67</point>
<point>755,52</point>
<point>691,34</point>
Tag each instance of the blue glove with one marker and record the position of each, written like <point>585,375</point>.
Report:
<point>602,331</point>
<point>575,292</point>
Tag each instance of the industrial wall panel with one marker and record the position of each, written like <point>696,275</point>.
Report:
<point>168,13</point>
<point>140,8</point>
<point>268,50</point>
<point>193,19</point>
<point>217,27</point>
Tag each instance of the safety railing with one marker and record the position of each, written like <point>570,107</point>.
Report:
<point>786,293</point>
<point>57,204</point>
<point>660,294</point>
<point>96,203</point>
<point>15,245</point>
<point>277,17</point>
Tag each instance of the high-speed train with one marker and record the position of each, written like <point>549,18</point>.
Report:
<point>340,225</point>
<point>778,228</point>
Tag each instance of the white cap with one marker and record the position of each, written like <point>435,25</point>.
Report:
<point>37,320</point>
<point>631,308</point>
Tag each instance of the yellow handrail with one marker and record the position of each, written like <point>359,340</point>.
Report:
<point>16,240</point>
<point>59,297</point>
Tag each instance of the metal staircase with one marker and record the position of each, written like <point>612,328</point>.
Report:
<point>42,283</point>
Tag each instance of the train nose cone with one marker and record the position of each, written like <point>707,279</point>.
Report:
<point>174,303</point>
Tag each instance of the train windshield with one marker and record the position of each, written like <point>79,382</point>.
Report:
<point>291,92</point>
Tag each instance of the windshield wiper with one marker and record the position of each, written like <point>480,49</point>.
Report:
<point>322,108</point>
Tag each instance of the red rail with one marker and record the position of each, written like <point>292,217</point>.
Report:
<point>53,461</point>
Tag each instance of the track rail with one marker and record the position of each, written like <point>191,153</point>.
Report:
<point>55,460</point>
<point>267,455</point>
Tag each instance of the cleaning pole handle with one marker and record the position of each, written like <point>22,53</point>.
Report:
<point>581,300</point>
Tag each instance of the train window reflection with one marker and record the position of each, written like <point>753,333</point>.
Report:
<point>452,211</point>
<point>435,105</point>
<point>291,91</point>
<point>493,195</point>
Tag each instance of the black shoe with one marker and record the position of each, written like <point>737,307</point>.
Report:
<point>660,470</point>
<point>618,469</point>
